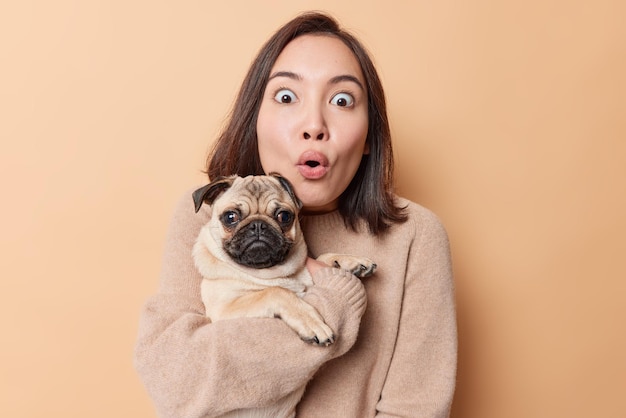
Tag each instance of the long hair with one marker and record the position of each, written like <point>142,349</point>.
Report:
<point>369,197</point>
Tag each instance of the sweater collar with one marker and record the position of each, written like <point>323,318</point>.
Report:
<point>323,221</point>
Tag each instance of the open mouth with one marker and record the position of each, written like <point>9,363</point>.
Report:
<point>313,159</point>
<point>313,165</point>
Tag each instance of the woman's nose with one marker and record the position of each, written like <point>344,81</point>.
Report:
<point>308,135</point>
<point>315,125</point>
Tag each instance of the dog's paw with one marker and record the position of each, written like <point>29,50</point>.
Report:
<point>359,266</point>
<point>318,333</point>
<point>309,324</point>
<point>315,340</point>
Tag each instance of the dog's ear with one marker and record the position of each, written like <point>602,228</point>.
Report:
<point>288,187</point>
<point>211,191</point>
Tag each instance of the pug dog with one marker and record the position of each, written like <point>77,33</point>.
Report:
<point>252,257</point>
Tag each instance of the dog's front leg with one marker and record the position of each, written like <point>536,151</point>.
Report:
<point>276,302</point>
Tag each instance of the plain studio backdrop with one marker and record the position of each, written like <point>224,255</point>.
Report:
<point>509,121</point>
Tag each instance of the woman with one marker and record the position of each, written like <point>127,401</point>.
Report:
<point>312,108</point>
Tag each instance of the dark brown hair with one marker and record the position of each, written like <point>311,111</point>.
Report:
<point>369,196</point>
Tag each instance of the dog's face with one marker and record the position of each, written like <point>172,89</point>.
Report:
<point>253,221</point>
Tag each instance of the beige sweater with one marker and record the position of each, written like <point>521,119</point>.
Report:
<point>398,360</point>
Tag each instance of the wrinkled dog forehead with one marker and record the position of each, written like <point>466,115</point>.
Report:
<point>255,194</point>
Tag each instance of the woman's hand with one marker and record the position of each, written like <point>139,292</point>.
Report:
<point>313,265</point>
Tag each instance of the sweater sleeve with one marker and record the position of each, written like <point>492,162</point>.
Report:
<point>422,373</point>
<point>194,368</point>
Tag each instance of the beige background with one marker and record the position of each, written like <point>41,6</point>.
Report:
<point>509,122</point>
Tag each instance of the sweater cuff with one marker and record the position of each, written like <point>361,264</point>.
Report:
<point>343,284</point>
<point>341,300</point>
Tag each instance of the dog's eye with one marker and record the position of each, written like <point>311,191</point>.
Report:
<point>284,218</point>
<point>230,218</point>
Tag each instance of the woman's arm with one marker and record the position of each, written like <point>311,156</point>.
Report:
<point>422,373</point>
<point>194,368</point>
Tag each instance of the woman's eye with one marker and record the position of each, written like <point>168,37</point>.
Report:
<point>285,96</point>
<point>342,100</point>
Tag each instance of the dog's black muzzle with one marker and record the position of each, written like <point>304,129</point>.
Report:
<point>258,245</point>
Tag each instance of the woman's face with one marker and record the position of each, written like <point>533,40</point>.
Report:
<point>313,119</point>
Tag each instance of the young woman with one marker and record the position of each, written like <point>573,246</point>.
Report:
<point>312,108</point>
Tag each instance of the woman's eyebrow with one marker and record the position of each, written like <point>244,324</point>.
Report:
<point>335,80</point>
<point>346,77</point>
<point>287,74</point>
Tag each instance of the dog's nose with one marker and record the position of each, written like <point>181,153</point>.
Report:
<point>257,227</point>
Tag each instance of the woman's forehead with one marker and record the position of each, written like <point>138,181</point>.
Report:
<point>317,56</point>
